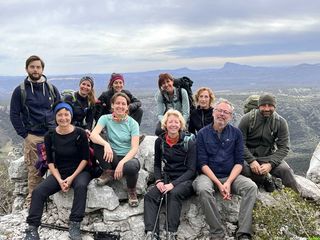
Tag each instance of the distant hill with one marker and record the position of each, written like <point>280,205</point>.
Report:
<point>296,89</point>
<point>231,77</point>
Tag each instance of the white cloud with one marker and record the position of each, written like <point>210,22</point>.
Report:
<point>74,36</point>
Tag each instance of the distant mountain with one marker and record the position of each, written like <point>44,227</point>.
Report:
<point>231,76</point>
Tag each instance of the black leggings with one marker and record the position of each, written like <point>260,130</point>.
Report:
<point>50,186</point>
<point>175,198</point>
<point>130,168</point>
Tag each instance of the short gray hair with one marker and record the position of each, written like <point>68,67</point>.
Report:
<point>222,100</point>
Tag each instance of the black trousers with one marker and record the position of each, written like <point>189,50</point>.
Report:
<point>175,197</point>
<point>130,168</point>
<point>137,115</point>
<point>50,186</point>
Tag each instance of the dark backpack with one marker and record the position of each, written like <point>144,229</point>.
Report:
<point>275,122</point>
<point>42,165</point>
<point>250,103</point>
<point>186,83</point>
<point>251,106</point>
<point>69,93</point>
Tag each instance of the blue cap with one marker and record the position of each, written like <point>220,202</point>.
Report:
<point>61,106</point>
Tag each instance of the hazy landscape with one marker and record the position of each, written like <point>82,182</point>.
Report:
<point>295,87</point>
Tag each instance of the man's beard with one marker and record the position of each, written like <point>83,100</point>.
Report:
<point>34,78</point>
<point>267,113</point>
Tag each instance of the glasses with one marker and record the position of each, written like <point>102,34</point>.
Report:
<point>223,111</point>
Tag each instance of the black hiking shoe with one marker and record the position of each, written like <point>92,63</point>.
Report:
<point>32,233</point>
<point>149,236</point>
<point>74,231</point>
<point>268,184</point>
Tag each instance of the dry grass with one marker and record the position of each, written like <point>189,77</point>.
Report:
<point>6,190</point>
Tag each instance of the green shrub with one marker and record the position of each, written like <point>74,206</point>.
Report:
<point>290,216</point>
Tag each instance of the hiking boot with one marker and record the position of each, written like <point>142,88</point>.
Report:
<point>149,236</point>
<point>106,176</point>
<point>74,231</point>
<point>268,184</point>
<point>172,236</point>
<point>216,236</point>
<point>32,233</point>
<point>132,197</point>
<point>141,138</point>
<point>244,237</point>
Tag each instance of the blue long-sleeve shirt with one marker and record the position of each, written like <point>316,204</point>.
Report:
<point>219,154</point>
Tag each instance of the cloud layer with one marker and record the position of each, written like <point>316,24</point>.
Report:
<point>105,36</point>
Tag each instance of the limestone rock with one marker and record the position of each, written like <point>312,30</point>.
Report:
<point>18,170</point>
<point>122,212</point>
<point>308,189</point>
<point>97,198</point>
<point>106,210</point>
<point>313,172</point>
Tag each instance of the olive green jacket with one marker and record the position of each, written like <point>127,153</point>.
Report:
<point>261,142</point>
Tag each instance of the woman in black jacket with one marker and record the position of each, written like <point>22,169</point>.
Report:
<point>116,84</point>
<point>202,115</point>
<point>83,102</point>
<point>178,153</point>
<point>67,151</point>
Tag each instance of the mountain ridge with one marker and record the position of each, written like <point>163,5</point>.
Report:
<point>231,76</point>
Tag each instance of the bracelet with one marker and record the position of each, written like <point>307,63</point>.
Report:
<point>159,180</point>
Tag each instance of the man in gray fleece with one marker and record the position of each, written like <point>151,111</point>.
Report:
<point>266,144</point>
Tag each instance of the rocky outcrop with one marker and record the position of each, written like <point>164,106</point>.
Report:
<point>107,208</point>
<point>313,172</point>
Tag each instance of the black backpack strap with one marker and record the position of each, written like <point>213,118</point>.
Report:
<point>53,145</point>
<point>23,99</point>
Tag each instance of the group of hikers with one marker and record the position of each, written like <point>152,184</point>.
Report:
<point>197,149</point>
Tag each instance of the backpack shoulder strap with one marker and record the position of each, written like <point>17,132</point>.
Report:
<point>74,97</point>
<point>23,93</point>
<point>186,140</point>
<point>51,91</point>
<point>275,125</point>
<point>252,119</point>
<point>53,145</point>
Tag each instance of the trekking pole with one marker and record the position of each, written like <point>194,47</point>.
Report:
<point>166,195</point>
<point>167,225</point>
<point>157,217</point>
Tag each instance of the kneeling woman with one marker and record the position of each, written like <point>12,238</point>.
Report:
<point>178,152</point>
<point>116,154</point>
<point>67,155</point>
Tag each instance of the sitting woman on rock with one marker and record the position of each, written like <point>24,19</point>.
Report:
<point>116,84</point>
<point>67,152</point>
<point>177,151</point>
<point>202,115</point>
<point>116,153</point>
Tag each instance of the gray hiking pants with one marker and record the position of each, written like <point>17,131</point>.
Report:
<point>242,186</point>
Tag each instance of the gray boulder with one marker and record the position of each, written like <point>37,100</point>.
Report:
<point>313,172</point>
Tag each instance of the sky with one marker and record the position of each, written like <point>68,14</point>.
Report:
<point>104,36</point>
